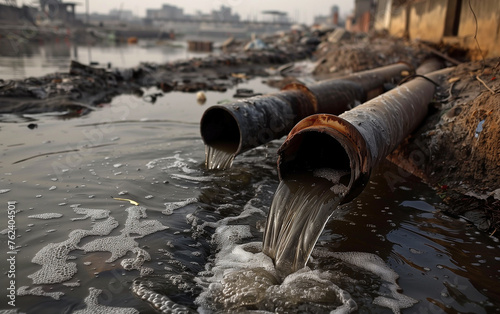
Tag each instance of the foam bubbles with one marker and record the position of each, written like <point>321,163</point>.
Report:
<point>93,307</point>
<point>160,302</point>
<point>38,291</point>
<point>374,264</point>
<point>175,161</point>
<point>46,216</point>
<point>54,257</point>
<point>93,214</point>
<point>138,261</point>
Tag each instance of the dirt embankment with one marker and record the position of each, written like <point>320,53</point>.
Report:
<point>457,149</point>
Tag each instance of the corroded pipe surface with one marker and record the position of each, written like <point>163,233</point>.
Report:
<point>254,121</point>
<point>358,139</point>
<point>251,122</point>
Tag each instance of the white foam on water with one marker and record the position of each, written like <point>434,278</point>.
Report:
<point>46,216</point>
<point>159,301</point>
<point>54,257</point>
<point>93,306</point>
<point>118,246</point>
<point>134,228</point>
<point>91,213</point>
<point>138,262</point>
<point>396,301</point>
<point>38,291</point>
<point>171,206</point>
<point>242,276</point>
<point>192,178</point>
<point>170,162</point>
<point>142,228</point>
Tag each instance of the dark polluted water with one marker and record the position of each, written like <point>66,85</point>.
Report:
<point>194,240</point>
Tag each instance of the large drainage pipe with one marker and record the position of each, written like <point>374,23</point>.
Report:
<point>357,140</point>
<point>251,122</point>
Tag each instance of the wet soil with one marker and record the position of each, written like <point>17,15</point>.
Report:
<point>457,149</point>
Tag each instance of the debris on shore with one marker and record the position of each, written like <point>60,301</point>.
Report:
<point>85,86</point>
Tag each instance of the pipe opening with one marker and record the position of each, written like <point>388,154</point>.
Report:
<point>220,130</point>
<point>311,151</point>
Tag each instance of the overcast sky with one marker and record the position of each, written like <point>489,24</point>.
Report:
<point>303,10</point>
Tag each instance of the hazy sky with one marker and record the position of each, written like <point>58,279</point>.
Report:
<point>303,10</point>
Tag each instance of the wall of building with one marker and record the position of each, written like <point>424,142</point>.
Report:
<point>488,26</point>
<point>449,21</point>
<point>398,24</point>
<point>427,20</point>
<point>383,15</point>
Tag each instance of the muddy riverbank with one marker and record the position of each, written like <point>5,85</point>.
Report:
<point>457,149</point>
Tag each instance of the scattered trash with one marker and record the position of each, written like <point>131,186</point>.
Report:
<point>256,44</point>
<point>201,98</point>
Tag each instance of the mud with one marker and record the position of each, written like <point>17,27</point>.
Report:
<point>457,149</point>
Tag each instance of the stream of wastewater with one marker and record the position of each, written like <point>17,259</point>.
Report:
<point>192,238</point>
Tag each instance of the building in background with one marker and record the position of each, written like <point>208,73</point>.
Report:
<point>448,21</point>
<point>332,19</point>
<point>361,19</point>
<point>167,12</point>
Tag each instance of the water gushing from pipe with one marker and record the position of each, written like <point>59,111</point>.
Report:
<point>348,147</point>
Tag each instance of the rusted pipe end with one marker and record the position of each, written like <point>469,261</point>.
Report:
<point>327,141</point>
<point>219,126</point>
<point>254,121</point>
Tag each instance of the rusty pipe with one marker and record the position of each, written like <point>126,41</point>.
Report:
<point>252,122</point>
<point>357,140</point>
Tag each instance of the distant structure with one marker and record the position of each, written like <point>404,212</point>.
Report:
<point>58,10</point>
<point>122,15</point>
<point>167,12</point>
<point>331,19</point>
<point>450,21</point>
<point>361,20</point>
<point>172,13</point>
<point>225,15</point>
<point>277,16</point>
<point>335,15</point>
